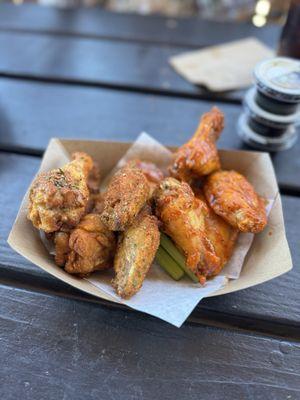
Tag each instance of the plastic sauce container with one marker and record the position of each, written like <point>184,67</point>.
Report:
<point>271,110</point>
<point>263,142</point>
<point>278,79</point>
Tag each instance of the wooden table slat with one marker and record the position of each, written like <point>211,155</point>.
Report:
<point>133,66</point>
<point>57,348</point>
<point>31,113</point>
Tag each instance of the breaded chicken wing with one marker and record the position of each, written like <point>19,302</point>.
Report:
<point>135,253</point>
<point>153,174</point>
<point>232,197</point>
<point>91,246</point>
<point>126,194</point>
<point>59,197</point>
<point>199,156</point>
<point>184,219</point>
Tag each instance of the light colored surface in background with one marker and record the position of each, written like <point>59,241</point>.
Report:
<point>223,67</point>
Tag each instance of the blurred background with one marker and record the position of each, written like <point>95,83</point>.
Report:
<point>258,12</point>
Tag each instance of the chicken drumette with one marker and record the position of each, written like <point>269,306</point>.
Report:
<point>199,156</point>
<point>136,250</point>
<point>59,198</point>
<point>87,248</point>
<point>232,197</point>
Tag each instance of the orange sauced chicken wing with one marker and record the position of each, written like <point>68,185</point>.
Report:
<point>59,197</point>
<point>90,247</point>
<point>183,216</point>
<point>135,253</point>
<point>232,197</point>
<point>199,156</point>
<point>221,236</point>
<point>126,194</point>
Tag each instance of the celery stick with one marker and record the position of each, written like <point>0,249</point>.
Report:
<point>170,248</point>
<point>168,264</point>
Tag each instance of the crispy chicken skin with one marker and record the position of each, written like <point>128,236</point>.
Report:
<point>136,250</point>
<point>199,156</point>
<point>62,248</point>
<point>183,216</point>
<point>126,194</point>
<point>220,235</point>
<point>232,197</point>
<point>91,247</point>
<point>59,197</point>
<point>152,173</point>
<point>94,178</point>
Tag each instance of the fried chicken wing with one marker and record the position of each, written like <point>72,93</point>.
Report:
<point>232,197</point>
<point>91,247</point>
<point>135,252</point>
<point>94,178</point>
<point>153,174</point>
<point>184,219</point>
<point>126,194</point>
<point>98,203</point>
<point>199,156</point>
<point>59,197</point>
<point>62,248</point>
<point>221,236</point>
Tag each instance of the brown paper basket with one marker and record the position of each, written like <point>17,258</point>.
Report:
<point>268,257</point>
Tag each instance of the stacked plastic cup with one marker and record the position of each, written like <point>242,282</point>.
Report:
<point>271,115</point>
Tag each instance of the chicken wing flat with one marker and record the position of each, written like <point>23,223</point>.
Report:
<point>135,253</point>
<point>90,247</point>
<point>152,173</point>
<point>232,197</point>
<point>126,194</point>
<point>59,197</point>
<point>184,219</point>
<point>199,156</point>
<point>221,236</point>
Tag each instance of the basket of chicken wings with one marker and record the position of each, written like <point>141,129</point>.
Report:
<point>152,227</point>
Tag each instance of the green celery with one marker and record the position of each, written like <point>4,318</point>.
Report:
<point>168,264</point>
<point>173,251</point>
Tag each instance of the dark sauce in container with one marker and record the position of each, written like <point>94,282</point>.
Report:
<point>266,130</point>
<point>263,121</point>
<point>250,135</point>
<point>275,106</point>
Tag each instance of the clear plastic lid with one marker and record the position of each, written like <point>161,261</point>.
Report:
<point>279,78</point>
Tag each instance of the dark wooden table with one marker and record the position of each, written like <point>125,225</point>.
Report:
<point>93,74</point>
